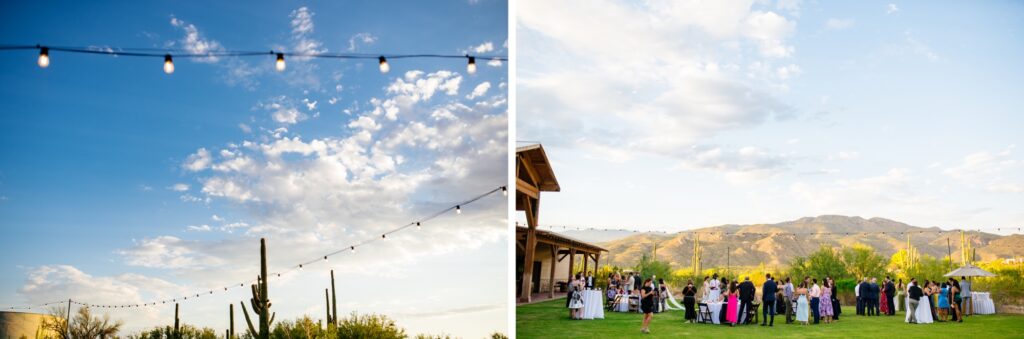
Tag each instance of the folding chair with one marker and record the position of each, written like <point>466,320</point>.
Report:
<point>752,314</point>
<point>705,313</point>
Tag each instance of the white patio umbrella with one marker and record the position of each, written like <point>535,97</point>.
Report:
<point>969,271</point>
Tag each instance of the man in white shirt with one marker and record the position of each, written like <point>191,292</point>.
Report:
<point>860,303</point>
<point>815,295</point>
<point>629,283</point>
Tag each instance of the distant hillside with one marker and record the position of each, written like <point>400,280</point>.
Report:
<point>780,249</point>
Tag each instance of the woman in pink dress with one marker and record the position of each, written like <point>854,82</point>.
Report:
<point>732,308</point>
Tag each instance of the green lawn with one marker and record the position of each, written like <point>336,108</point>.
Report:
<point>550,319</point>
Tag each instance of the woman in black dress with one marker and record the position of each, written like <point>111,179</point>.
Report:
<point>689,300</point>
<point>647,305</point>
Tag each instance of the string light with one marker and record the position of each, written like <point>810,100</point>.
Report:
<point>384,68</point>
<point>279,62</point>
<point>44,57</point>
<point>279,65</point>
<point>384,236</point>
<point>352,248</point>
<point>168,64</point>
<point>471,65</point>
<point>418,226</point>
<point>504,191</point>
<point>458,209</point>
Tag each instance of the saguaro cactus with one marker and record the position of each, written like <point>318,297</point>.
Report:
<point>327,303</point>
<point>177,330</point>
<point>260,302</point>
<point>334,302</point>
<point>231,321</point>
<point>697,250</point>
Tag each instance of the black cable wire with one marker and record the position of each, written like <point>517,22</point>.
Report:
<point>291,269</point>
<point>179,53</point>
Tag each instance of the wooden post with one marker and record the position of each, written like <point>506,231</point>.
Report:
<point>572,261</point>
<point>551,277</point>
<point>531,247</point>
<point>67,324</point>
<point>586,262</point>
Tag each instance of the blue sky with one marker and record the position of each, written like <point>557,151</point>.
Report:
<point>120,182</point>
<point>677,114</point>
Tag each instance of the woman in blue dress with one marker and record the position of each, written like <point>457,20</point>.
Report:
<point>943,302</point>
<point>803,307</point>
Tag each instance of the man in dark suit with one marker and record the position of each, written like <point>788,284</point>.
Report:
<point>768,291</point>
<point>746,298</point>
<point>873,293</point>
<point>590,280</point>
<point>890,293</point>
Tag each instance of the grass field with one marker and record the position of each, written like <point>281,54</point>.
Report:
<point>550,319</point>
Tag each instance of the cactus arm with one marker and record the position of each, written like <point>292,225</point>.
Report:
<point>252,330</point>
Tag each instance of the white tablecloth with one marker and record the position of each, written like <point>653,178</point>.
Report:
<point>593,304</point>
<point>982,303</point>
<point>716,310</point>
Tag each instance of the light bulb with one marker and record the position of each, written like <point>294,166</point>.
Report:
<point>325,258</point>
<point>384,237</point>
<point>471,66</point>
<point>384,68</point>
<point>280,62</point>
<point>300,267</point>
<point>504,191</point>
<point>458,209</point>
<point>168,64</point>
<point>353,248</point>
<point>44,57</point>
<point>418,226</point>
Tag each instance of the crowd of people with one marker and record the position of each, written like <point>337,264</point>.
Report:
<point>807,301</point>
<point>938,301</point>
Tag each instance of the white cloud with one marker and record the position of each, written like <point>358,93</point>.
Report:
<point>360,38</point>
<point>216,218</point>
<point>891,9</point>
<point>572,86</point>
<point>994,172</point>
<point>179,187</point>
<point>245,128</point>
<point>198,161</point>
<point>195,43</point>
<point>282,110</point>
<point>838,24</point>
<point>302,28</point>
<point>166,252</point>
<point>198,228</point>
<point>55,282</point>
<point>484,47</point>
<point>479,90</point>
<point>739,166</point>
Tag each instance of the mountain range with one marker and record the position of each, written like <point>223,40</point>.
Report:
<point>776,245</point>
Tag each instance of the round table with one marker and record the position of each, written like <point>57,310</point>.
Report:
<point>593,304</point>
<point>982,302</point>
